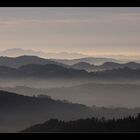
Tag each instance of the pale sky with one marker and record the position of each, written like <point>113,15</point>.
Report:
<point>84,30</point>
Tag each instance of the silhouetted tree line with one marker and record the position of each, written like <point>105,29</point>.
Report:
<point>128,124</point>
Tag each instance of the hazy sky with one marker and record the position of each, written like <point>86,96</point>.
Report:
<point>86,30</point>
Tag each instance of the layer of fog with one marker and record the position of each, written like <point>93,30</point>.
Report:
<point>60,82</point>
<point>105,93</point>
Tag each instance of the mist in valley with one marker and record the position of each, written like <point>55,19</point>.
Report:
<point>108,95</point>
<point>68,64</point>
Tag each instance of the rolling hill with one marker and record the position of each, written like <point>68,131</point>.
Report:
<point>57,71</point>
<point>42,71</point>
<point>105,66</point>
<point>15,52</point>
<point>18,111</point>
<point>90,60</point>
<point>100,94</point>
<point>16,62</point>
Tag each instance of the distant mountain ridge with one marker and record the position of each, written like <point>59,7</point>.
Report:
<point>83,66</point>
<point>15,52</point>
<point>90,60</point>
<point>16,62</point>
<point>105,66</point>
<point>58,71</point>
<point>33,66</point>
<point>42,71</point>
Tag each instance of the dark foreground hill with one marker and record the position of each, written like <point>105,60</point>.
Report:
<point>18,111</point>
<point>128,124</point>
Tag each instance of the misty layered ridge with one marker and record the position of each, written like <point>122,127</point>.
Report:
<point>87,61</point>
<point>43,76</point>
<point>100,94</point>
<point>57,71</point>
<point>90,60</point>
<point>32,59</point>
<point>15,52</point>
<point>68,57</point>
<point>42,71</point>
<point>87,64</point>
<point>16,62</point>
<point>105,66</point>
